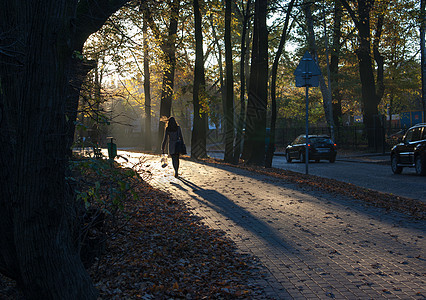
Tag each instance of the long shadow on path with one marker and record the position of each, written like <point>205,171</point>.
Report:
<point>356,205</point>
<point>240,216</point>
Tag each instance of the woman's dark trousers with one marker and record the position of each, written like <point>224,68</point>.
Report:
<point>175,162</point>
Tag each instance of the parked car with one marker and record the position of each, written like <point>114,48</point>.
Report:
<point>320,147</point>
<point>411,151</point>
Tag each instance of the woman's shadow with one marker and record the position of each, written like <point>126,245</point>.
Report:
<point>232,211</point>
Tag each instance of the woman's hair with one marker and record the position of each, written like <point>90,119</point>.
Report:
<point>172,125</point>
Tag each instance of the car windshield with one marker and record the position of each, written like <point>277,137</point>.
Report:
<point>320,140</point>
<point>413,135</point>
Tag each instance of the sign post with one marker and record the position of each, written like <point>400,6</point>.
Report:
<point>307,73</point>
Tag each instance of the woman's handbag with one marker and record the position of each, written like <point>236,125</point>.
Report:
<point>180,147</point>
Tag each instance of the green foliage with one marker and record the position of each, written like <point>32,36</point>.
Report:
<point>102,184</point>
<point>78,55</point>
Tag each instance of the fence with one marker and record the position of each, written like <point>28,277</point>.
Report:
<point>352,137</point>
<point>346,137</point>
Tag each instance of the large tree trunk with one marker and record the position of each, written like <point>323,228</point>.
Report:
<point>38,42</point>
<point>198,140</point>
<point>369,96</point>
<point>380,85</point>
<point>34,89</point>
<point>240,125</point>
<point>271,146</point>
<point>254,142</point>
<point>229,107</point>
<point>368,86</point>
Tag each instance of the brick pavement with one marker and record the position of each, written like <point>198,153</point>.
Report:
<point>313,245</point>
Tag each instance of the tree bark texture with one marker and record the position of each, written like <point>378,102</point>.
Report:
<point>254,142</point>
<point>199,130</point>
<point>240,125</point>
<point>38,40</point>
<point>366,72</point>
<point>229,84</point>
<point>369,96</point>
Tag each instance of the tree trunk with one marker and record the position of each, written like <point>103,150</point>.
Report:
<point>198,140</point>
<point>39,41</point>
<point>334,65</point>
<point>229,107</point>
<point>423,54</point>
<point>78,72</point>
<point>220,65</point>
<point>240,125</point>
<point>254,143</point>
<point>271,146</point>
<point>329,91</point>
<point>368,86</point>
<point>33,91</point>
<point>147,88</point>
<point>378,57</point>
<point>169,50</point>
<point>325,91</point>
<point>369,97</point>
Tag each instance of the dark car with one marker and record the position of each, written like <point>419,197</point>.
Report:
<point>411,151</point>
<point>320,147</point>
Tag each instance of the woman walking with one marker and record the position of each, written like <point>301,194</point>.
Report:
<point>172,133</point>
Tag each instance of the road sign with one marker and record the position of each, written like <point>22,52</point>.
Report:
<point>307,72</point>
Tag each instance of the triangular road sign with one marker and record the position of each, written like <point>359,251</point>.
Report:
<point>307,72</point>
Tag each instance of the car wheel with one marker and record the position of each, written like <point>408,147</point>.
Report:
<point>420,166</point>
<point>287,157</point>
<point>394,163</point>
<point>302,157</point>
<point>332,159</point>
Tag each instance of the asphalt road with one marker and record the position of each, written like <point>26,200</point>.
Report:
<point>373,176</point>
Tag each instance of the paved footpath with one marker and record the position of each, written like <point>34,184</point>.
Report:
<point>313,245</point>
